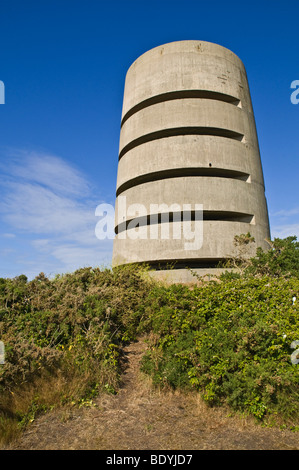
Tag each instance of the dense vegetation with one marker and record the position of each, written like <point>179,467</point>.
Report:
<point>229,339</point>
<point>63,339</point>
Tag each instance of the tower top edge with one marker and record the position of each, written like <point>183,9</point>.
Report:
<point>187,45</point>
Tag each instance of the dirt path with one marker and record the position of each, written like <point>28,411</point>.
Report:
<point>139,418</point>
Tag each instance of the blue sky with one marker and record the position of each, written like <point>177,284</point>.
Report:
<point>63,64</point>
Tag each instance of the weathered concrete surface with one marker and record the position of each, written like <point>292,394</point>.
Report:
<point>215,246</point>
<point>188,151</point>
<point>188,136</point>
<point>188,112</point>
<point>216,194</point>
<point>186,65</point>
<point>186,276</point>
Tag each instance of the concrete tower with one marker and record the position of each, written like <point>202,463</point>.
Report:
<point>188,140</point>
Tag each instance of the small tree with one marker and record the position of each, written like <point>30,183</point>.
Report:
<point>281,260</point>
<point>241,260</point>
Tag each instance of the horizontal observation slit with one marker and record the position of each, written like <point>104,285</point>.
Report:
<point>215,131</point>
<point>177,95</point>
<point>180,173</point>
<point>186,263</point>
<point>169,217</point>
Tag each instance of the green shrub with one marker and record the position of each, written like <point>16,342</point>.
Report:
<point>231,341</point>
<point>73,327</point>
<point>281,260</point>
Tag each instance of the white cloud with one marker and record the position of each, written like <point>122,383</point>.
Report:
<point>285,222</point>
<point>284,231</point>
<point>46,170</point>
<point>52,205</point>
<point>286,212</point>
<point>31,207</point>
<point>8,235</point>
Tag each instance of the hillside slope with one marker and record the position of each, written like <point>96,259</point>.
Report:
<point>141,418</point>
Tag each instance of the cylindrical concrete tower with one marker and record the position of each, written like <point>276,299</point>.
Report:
<point>188,141</point>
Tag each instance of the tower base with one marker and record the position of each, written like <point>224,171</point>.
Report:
<point>187,276</point>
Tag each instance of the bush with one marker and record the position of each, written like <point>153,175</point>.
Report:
<point>231,341</point>
<point>69,330</point>
<point>281,260</point>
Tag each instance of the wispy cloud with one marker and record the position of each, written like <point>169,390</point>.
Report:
<point>8,235</point>
<point>285,223</point>
<point>286,212</point>
<point>287,230</point>
<point>46,170</point>
<point>51,204</point>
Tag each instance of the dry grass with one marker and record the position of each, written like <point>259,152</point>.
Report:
<point>140,417</point>
<point>23,405</point>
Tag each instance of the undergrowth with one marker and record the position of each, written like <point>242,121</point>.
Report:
<point>230,340</point>
<point>63,339</point>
